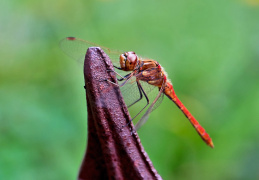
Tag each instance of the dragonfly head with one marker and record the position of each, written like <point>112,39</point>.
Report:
<point>128,61</point>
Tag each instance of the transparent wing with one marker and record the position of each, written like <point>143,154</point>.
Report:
<point>157,101</point>
<point>132,94</point>
<point>76,48</point>
<point>136,94</point>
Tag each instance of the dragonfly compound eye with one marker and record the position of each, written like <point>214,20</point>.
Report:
<point>128,61</point>
<point>131,61</point>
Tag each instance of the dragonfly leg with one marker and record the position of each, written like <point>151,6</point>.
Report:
<point>127,78</point>
<point>142,90</point>
<point>117,67</point>
<point>150,108</point>
<point>122,77</point>
<point>140,95</point>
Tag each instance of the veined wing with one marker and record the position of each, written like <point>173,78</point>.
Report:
<point>157,101</point>
<point>76,48</point>
<point>133,93</point>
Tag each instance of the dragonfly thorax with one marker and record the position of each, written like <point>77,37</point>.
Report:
<point>128,61</point>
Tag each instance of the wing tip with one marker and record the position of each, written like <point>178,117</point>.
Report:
<point>71,38</point>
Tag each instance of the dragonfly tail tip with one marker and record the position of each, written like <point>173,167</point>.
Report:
<point>211,144</point>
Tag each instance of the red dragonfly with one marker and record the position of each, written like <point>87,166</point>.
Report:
<point>141,70</point>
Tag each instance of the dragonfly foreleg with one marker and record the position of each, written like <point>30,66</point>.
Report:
<point>117,67</point>
<point>122,77</point>
<point>126,78</point>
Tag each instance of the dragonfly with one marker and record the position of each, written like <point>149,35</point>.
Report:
<point>141,70</point>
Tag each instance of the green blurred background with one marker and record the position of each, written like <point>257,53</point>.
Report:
<point>210,50</point>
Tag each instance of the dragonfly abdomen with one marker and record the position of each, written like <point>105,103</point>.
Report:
<point>169,92</point>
